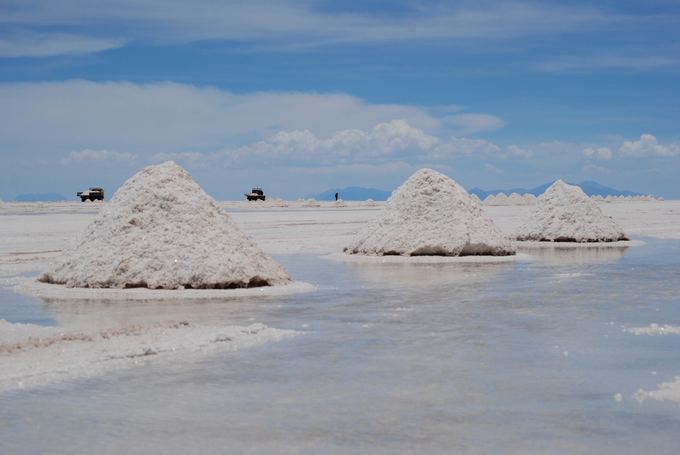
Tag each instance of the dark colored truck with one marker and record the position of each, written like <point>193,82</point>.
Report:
<point>93,194</point>
<point>255,194</point>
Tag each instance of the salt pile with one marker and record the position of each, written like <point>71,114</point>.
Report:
<point>515,199</point>
<point>162,231</point>
<point>430,214</point>
<point>565,214</point>
<point>490,200</point>
<point>501,199</point>
<point>529,199</point>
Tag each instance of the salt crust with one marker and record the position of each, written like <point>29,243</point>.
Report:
<point>565,214</point>
<point>655,329</point>
<point>62,292</point>
<point>33,356</point>
<point>162,231</point>
<point>430,215</point>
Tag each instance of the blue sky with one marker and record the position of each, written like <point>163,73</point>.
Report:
<point>303,96</point>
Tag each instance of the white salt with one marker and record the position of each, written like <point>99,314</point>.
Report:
<point>565,214</point>
<point>430,214</point>
<point>529,199</point>
<point>162,231</point>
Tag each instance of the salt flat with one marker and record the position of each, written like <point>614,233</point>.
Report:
<point>542,355</point>
<point>32,234</point>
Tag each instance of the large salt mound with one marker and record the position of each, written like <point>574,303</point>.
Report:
<point>162,231</point>
<point>564,213</point>
<point>430,214</point>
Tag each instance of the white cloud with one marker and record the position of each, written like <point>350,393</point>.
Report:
<point>393,141</point>
<point>458,146</point>
<point>599,153</point>
<point>98,155</point>
<point>474,123</point>
<point>162,119</point>
<point>169,117</point>
<point>292,24</point>
<point>648,145</point>
<point>190,158</point>
<point>31,44</point>
<point>521,152</point>
<point>383,141</point>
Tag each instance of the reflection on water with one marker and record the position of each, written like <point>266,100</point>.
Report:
<point>426,275</point>
<point>574,254</point>
<point>396,358</point>
<point>107,313</point>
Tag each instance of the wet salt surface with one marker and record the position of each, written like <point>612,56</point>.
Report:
<point>514,357</point>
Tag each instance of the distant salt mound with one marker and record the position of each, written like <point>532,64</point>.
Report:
<point>339,203</point>
<point>502,199</point>
<point>475,198</point>
<point>430,215</point>
<point>515,199</point>
<point>371,203</point>
<point>490,200</point>
<point>529,199</point>
<point>565,214</point>
<point>311,202</point>
<point>162,231</point>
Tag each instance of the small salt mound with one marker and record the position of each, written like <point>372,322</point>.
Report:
<point>339,203</point>
<point>565,214</point>
<point>370,202</point>
<point>430,215</point>
<point>529,199</point>
<point>475,198</point>
<point>162,231</point>
<point>311,203</point>
<point>515,199</point>
<point>490,200</point>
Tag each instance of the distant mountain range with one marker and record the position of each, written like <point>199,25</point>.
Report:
<point>352,193</point>
<point>39,197</point>
<point>588,186</point>
<point>357,193</point>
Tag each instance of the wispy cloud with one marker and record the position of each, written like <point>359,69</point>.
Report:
<point>609,62</point>
<point>289,24</point>
<point>474,123</point>
<point>51,44</point>
<point>98,155</point>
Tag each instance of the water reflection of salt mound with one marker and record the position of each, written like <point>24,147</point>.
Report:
<point>588,255</point>
<point>565,214</point>
<point>415,275</point>
<point>430,214</point>
<point>162,231</point>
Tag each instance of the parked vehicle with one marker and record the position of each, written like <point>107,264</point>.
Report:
<point>93,194</point>
<point>255,194</point>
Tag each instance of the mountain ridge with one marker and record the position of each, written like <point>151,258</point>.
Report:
<point>358,193</point>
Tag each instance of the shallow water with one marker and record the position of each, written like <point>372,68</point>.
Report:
<point>396,358</point>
